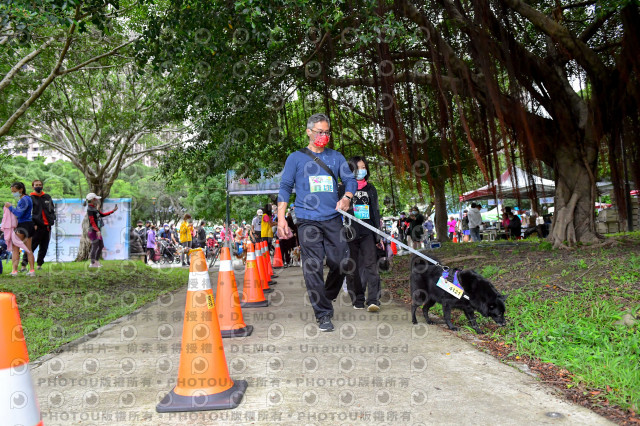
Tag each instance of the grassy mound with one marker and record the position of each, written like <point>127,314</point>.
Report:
<point>576,310</point>
<point>68,300</point>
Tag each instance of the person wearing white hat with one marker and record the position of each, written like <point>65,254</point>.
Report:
<point>95,224</point>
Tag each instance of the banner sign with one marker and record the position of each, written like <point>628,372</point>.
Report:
<point>246,186</point>
<point>67,231</point>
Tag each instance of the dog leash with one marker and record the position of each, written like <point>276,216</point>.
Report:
<point>451,288</point>
<point>389,237</point>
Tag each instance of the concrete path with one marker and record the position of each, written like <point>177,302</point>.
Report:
<point>374,368</point>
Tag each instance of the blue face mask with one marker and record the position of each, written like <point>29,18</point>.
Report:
<point>361,173</point>
<point>16,194</point>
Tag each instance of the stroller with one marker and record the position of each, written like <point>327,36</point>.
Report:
<point>165,253</point>
<point>4,254</point>
<point>212,250</point>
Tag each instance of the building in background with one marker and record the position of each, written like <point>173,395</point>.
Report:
<point>30,149</point>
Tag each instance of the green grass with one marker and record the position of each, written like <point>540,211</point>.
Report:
<point>68,300</point>
<point>562,309</point>
<point>577,332</point>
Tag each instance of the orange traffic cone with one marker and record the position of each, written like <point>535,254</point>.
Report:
<point>262,268</point>
<point>277,256</point>
<point>203,376</point>
<point>252,294</point>
<point>228,303</point>
<point>267,258</point>
<point>455,237</point>
<point>18,402</point>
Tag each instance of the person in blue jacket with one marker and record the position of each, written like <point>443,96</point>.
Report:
<point>25,229</point>
<point>319,224</point>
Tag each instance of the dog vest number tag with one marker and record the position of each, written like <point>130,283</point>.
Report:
<point>450,288</point>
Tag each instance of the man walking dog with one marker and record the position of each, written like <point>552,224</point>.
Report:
<point>314,171</point>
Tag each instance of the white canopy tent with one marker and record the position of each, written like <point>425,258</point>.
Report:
<point>513,183</point>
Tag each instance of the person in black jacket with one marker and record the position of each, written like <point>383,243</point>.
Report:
<point>363,263</point>
<point>415,230</point>
<point>286,245</point>
<point>200,239</point>
<point>402,228</point>
<point>515,226</point>
<point>43,216</point>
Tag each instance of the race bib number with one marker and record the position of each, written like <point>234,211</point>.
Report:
<point>361,211</point>
<point>320,184</point>
<point>450,288</point>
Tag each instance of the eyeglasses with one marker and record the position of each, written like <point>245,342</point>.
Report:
<point>320,132</point>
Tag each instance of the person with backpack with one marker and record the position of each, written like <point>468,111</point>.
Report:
<point>43,215</point>
<point>24,227</point>
<point>314,172</point>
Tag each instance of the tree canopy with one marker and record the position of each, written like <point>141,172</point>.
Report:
<point>442,78</point>
<point>41,41</point>
<point>435,93</point>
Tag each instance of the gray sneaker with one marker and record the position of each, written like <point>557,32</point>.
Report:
<point>324,324</point>
<point>23,269</point>
<point>373,308</point>
<point>31,274</point>
<point>39,267</point>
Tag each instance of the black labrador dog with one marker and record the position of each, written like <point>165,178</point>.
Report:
<point>483,296</point>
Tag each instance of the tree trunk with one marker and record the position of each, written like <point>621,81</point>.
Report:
<point>574,215</point>
<point>103,191</point>
<point>441,209</point>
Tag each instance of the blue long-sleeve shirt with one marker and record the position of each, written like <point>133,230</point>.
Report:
<point>23,210</point>
<point>316,191</point>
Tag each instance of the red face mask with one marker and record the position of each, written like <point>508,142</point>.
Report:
<point>321,141</point>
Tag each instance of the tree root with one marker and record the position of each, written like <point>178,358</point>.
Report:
<point>608,242</point>
<point>562,246</point>
<point>563,229</point>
